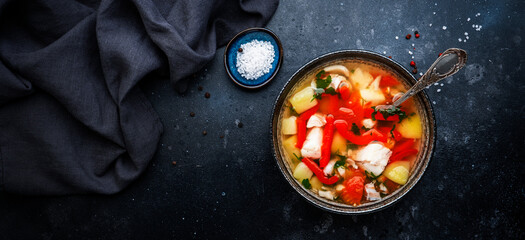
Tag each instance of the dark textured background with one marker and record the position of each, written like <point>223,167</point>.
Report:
<point>231,188</point>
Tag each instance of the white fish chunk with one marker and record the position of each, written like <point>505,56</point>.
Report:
<point>337,80</point>
<point>312,145</point>
<point>316,120</point>
<point>337,69</point>
<point>329,168</point>
<point>368,123</point>
<point>371,193</point>
<point>326,194</point>
<point>374,157</point>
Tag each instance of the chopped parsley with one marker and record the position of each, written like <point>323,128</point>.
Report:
<point>365,128</point>
<point>322,85</point>
<point>389,112</point>
<point>370,175</point>
<point>298,158</point>
<point>306,183</point>
<point>292,110</point>
<point>330,91</point>
<point>355,129</point>
<point>392,131</point>
<point>341,162</point>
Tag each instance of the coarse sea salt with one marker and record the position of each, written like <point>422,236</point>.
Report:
<point>255,59</point>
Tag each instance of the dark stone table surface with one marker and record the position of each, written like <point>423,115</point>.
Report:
<point>231,188</point>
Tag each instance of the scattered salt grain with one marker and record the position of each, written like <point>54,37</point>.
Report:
<point>441,84</point>
<point>413,44</point>
<point>410,52</point>
<point>397,37</point>
<point>433,102</point>
<point>477,27</point>
<point>435,84</point>
<point>466,37</point>
<point>460,40</point>
<point>420,74</point>
<point>439,90</point>
<point>478,14</point>
<point>430,25</point>
<point>444,27</point>
<point>255,59</point>
<point>468,19</point>
<point>466,33</point>
<point>412,57</point>
<point>434,13</point>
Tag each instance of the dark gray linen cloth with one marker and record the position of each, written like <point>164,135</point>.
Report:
<point>72,116</point>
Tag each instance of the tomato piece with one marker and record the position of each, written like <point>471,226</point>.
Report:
<point>353,191</point>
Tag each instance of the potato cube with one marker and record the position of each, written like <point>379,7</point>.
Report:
<point>289,127</point>
<point>302,172</point>
<point>316,184</point>
<point>398,172</point>
<point>410,127</point>
<point>302,100</point>
<point>338,143</point>
<point>361,79</point>
<point>372,95</point>
<point>289,147</point>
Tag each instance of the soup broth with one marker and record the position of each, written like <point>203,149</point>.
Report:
<point>337,144</point>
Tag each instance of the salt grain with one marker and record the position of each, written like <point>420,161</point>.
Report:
<point>466,33</point>
<point>439,90</point>
<point>478,14</point>
<point>397,37</point>
<point>460,40</point>
<point>444,27</point>
<point>255,59</point>
<point>430,25</point>
<point>468,19</point>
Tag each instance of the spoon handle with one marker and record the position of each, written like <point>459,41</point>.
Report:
<point>450,62</point>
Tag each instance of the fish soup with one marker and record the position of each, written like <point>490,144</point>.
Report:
<point>337,144</point>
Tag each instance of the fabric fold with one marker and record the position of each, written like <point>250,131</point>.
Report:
<point>72,116</point>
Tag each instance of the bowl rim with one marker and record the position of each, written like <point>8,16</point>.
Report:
<point>278,66</point>
<point>418,169</point>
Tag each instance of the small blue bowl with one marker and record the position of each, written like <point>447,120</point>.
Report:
<point>230,56</point>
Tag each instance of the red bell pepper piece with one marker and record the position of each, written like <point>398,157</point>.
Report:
<point>329,104</point>
<point>301,125</point>
<point>353,191</point>
<point>387,131</point>
<point>365,138</point>
<point>403,145</point>
<point>319,172</point>
<point>346,114</point>
<point>402,154</point>
<point>328,136</point>
<point>388,81</point>
<point>344,91</point>
<point>368,114</point>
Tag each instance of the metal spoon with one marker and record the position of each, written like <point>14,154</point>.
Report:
<point>450,62</point>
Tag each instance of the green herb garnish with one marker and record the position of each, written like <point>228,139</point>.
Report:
<point>341,162</point>
<point>365,128</point>
<point>392,131</point>
<point>371,175</point>
<point>330,91</point>
<point>389,112</point>
<point>306,183</point>
<point>322,83</point>
<point>298,158</point>
<point>355,129</point>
